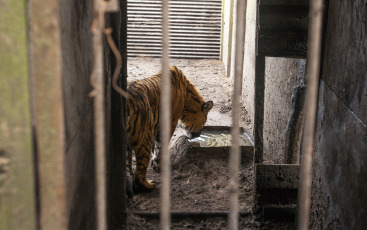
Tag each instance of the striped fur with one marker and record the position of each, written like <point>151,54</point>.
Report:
<point>143,117</point>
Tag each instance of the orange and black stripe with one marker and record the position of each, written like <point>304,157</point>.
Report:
<point>144,122</point>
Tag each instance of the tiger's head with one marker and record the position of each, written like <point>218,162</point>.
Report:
<point>194,117</point>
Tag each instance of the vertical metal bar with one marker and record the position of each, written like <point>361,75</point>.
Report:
<point>116,162</point>
<point>235,157</point>
<point>313,68</point>
<point>123,45</point>
<point>99,119</point>
<point>165,115</point>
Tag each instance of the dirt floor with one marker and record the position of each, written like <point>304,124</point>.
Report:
<point>199,182</point>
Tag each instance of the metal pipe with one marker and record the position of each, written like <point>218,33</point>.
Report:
<point>313,68</point>
<point>123,45</point>
<point>178,214</point>
<point>165,129</point>
<point>235,157</point>
<point>99,117</point>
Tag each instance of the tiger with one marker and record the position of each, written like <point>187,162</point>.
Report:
<point>143,120</point>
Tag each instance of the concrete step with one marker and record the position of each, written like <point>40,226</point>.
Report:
<point>277,176</point>
<point>277,190</point>
<point>280,212</point>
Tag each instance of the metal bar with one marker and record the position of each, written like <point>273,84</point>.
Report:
<point>97,80</point>
<point>99,117</point>
<point>235,157</point>
<point>123,45</point>
<point>178,214</point>
<point>48,111</point>
<point>165,115</point>
<point>116,162</point>
<point>313,68</point>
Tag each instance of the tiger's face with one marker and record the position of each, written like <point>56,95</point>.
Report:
<point>193,119</point>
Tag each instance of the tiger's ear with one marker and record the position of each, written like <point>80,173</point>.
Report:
<point>207,106</point>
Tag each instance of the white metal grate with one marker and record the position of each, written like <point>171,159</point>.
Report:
<point>195,27</point>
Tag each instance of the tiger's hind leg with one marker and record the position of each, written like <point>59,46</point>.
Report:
<point>143,154</point>
<point>129,174</point>
<point>156,158</point>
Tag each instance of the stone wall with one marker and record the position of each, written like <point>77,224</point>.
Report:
<point>281,76</point>
<point>77,56</point>
<point>77,52</point>
<point>248,90</point>
<point>339,188</point>
<point>227,33</point>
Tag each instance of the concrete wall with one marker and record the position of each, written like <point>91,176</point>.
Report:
<point>17,179</point>
<point>281,76</point>
<point>339,189</point>
<point>77,66</point>
<point>77,56</point>
<point>248,92</point>
<point>227,26</point>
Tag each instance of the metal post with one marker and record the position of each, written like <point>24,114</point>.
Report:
<point>165,115</point>
<point>235,157</point>
<point>100,7</point>
<point>313,68</point>
<point>99,126</point>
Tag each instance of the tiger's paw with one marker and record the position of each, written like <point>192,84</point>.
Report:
<point>146,186</point>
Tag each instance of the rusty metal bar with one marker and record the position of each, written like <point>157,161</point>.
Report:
<point>116,140</point>
<point>235,157</point>
<point>123,45</point>
<point>313,69</point>
<point>97,80</point>
<point>99,123</point>
<point>178,214</point>
<point>165,115</point>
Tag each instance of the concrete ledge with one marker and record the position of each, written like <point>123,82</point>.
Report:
<point>279,176</point>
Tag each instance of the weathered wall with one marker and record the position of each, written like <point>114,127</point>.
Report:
<point>79,129</point>
<point>227,24</point>
<point>248,91</point>
<point>77,52</point>
<point>281,76</point>
<point>339,191</point>
<point>17,193</point>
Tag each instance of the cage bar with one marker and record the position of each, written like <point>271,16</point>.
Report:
<point>313,69</point>
<point>99,118</point>
<point>165,128</point>
<point>235,157</point>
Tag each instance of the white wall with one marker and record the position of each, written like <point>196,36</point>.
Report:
<point>248,90</point>
<point>227,34</point>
